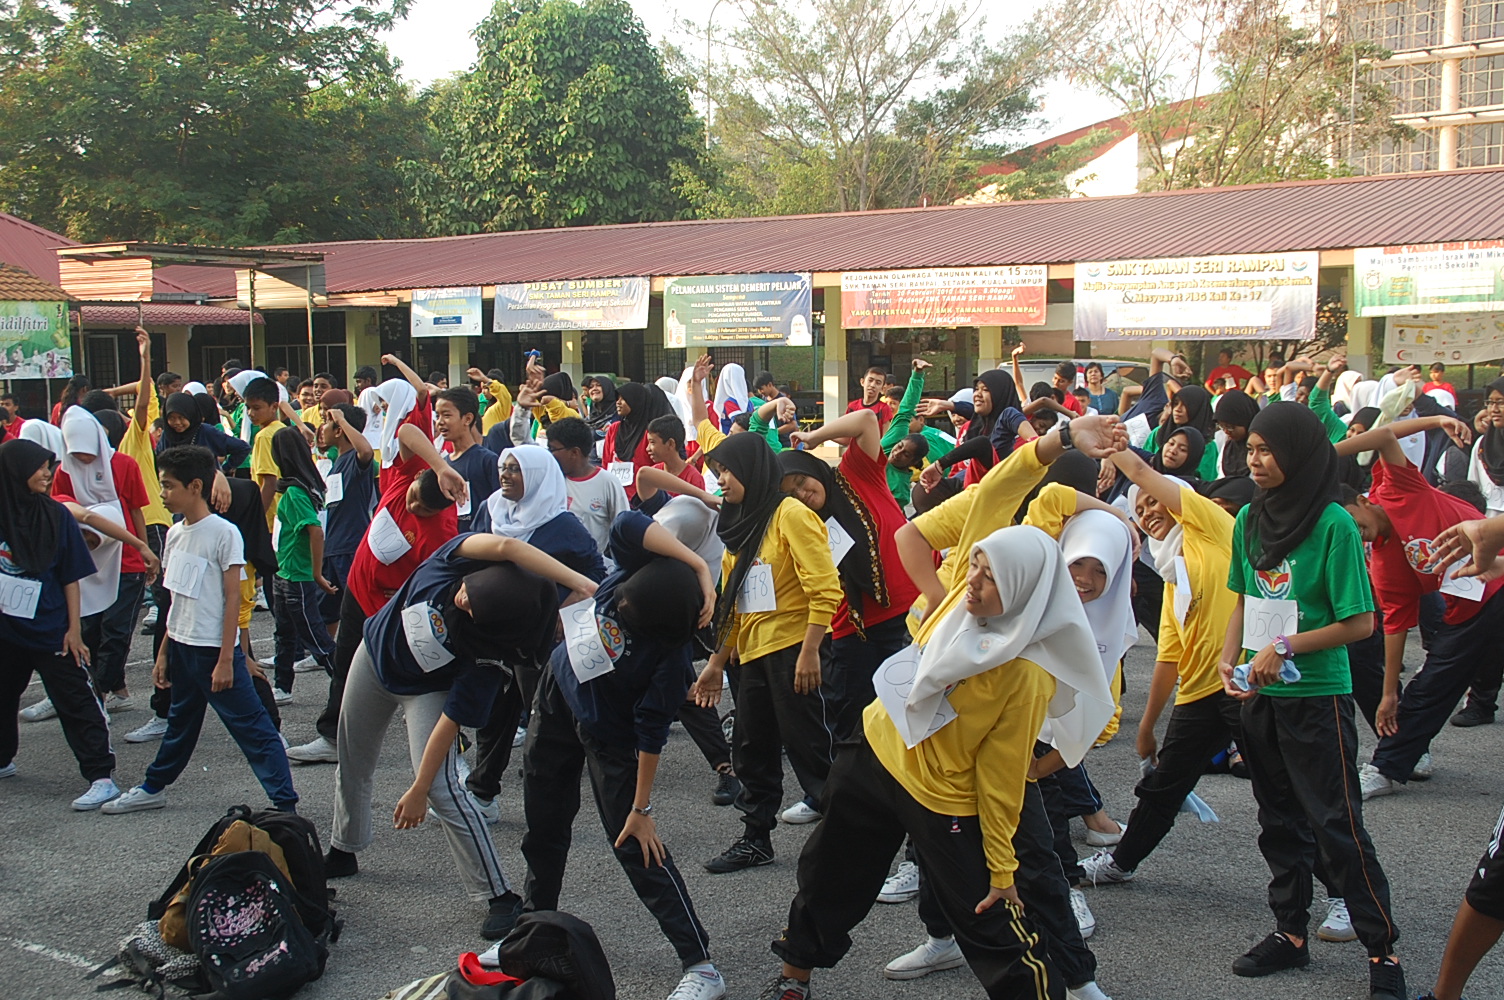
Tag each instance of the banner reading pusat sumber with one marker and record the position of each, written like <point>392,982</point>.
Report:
<point>1234,297</point>
<point>34,340</point>
<point>1463,276</point>
<point>572,304</point>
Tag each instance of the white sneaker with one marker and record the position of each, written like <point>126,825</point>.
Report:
<point>800,813</point>
<point>150,620</point>
<point>137,799</point>
<point>1095,839</point>
<point>700,984</point>
<point>902,885</point>
<point>102,791</point>
<point>1423,769</point>
<point>306,664</point>
<point>489,811</point>
<point>39,712</point>
<point>1084,918</point>
<point>462,768</point>
<point>935,955</point>
<point>155,729</point>
<point>521,736</point>
<point>8,771</point>
<point>1086,991</point>
<point>315,751</point>
<point>118,703</point>
<point>1102,870</point>
<point>1373,782</point>
<point>261,604</point>
<point>281,697</point>
<point>1337,926</point>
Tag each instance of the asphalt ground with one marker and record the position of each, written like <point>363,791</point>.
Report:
<point>72,884</point>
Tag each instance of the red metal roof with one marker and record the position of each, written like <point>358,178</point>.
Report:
<point>31,247</point>
<point>166,314</point>
<point>1268,218</point>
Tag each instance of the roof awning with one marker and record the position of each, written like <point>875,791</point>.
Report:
<point>165,314</point>
<point>123,272</point>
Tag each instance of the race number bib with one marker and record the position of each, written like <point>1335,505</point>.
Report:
<point>19,596</point>
<point>1265,619</point>
<point>622,472</point>
<point>425,630</point>
<point>462,508</point>
<point>334,488</point>
<point>385,539</point>
<point>1469,588</point>
<point>184,573</point>
<point>757,593</point>
<point>582,640</point>
<point>840,542</point>
<point>1182,590</point>
<point>893,681</point>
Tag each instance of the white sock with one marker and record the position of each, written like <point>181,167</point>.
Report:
<point>706,967</point>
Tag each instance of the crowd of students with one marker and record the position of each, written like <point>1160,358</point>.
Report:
<point>929,624</point>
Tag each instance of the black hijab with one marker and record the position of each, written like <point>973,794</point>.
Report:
<point>602,414</point>
<point>648,403</point>
<point>248,514</point>
<point>1366,417</point>
<point>741,526</point>
<point>1237,409</point>
<point>295,461</point>
<point>208,408</point>
<point>1279,519</point>
<point>560,386</point>
<point>1071,469</point>
<point>30,522</point>
<point>1195,450</point>
<point>187,407</point>
<point>1003,392</point>
<point>1198,413</point>
<point>1238,489</point>
<point>861,570</point>
<point>519,610</point>
<point>1491,451</point>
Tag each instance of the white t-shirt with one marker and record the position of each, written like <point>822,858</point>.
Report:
<point>194,559</point>
<point>596,501</point>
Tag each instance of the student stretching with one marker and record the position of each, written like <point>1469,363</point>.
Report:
<point>300,582</point>
<point>1297,561</point>
<point>435,651</point>
<point>616,724</point>
<point>779,593</point>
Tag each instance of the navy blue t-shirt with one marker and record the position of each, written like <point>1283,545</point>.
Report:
<point>351,516</point>
<point>71,563</point>
<point>1152,400</point>
<point>482,474</point>
<point>471,684</point>
<point>565,538</point>
<point>633,705</point>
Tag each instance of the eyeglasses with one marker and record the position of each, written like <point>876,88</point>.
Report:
<point>1495,404</point>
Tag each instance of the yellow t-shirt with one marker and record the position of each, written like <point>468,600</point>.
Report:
<point>500,409</point>
<point>137,444</point>
<point>263,464</point>
<point>976,765</point>
<point>1196,647</point>
<point>805,585</point>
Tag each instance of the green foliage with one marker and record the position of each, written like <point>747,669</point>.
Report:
<point>214,121</point>
<point>569,118</point>
<point>1042,173</point>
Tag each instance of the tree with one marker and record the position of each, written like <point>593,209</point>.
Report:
<point>1238,91</point>
<point>218,121</point>
<point>569,118</point>
<point>1042,173</point>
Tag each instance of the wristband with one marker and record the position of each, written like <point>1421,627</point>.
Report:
<point>646,810</point>
<point>1065,437</point>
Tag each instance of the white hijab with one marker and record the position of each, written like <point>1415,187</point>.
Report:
<point>544,495</point>
<point>370,401</point>
<point>730,387</point>
<point>690,395</point>
<point>1343,393</point>
<point>694,525</point>
<point>1103,536</point>
<point>94,487</point>
<point>47,435</point>
<point>400,398</point>
<point>194,388</point>
<point>1365,393</point>
<point>1043,621</point>
<point>670,387</point>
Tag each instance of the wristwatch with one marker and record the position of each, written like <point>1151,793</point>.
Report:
<point>646,810</point>
<point>1282,647</point>
<point>1065,437</point>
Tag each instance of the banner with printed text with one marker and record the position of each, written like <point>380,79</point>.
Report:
<point>446,312</point>
<point>573,304</point>
<point>957,296</point>
<point>1465,276</point>
<point>1451,338</point>
<point>34,340</point>
<point>1236,297</point>
<point>754,310</point>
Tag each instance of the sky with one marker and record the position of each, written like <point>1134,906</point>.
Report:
<point>434,41</point>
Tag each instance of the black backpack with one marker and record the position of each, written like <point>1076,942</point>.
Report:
<point>554,946</point>
<point>244,927</point>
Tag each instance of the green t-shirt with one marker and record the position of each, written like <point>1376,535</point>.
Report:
<point>295,515</point>
<point>1209,468</point>
<point>1327,579</point>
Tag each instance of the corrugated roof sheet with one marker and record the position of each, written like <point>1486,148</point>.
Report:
<point>31,247</point>
<point>166,314</point>
<point>20,285</point>
<point>1267,218</point>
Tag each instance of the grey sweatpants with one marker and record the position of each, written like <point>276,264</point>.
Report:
<point>364,715</point>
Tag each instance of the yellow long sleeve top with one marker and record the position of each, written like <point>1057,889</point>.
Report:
<point>500,409</point>
<point>137,444</point>
<point>806,589</point>
<point>978,764</point>
<point>554,409</point>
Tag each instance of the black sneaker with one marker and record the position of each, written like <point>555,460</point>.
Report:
<point>1273,954</point>
<point>786,988</point>
<point>340,864</point>
<point>745,853</point>
<point>727,788</point>
<point>1472,715</point>
<point>1386,980</point>
<point>505,909</point>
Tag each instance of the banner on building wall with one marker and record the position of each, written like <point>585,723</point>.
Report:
<point>34,340</point>
<point>1465,276</point>
<point>576,304</point>
<point>754,310</point>
<point>1451,338</point>
<point>446,312</point>
<point>954,296</point>
<point>1236,297</point>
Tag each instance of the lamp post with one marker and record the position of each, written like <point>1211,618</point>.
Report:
<point>709,21</point>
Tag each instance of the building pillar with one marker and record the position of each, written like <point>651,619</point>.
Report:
<point>1359,329</point>
<point>571,354</point>
<point>177,359</point>
<point>1451,86</point>
<point>990,351</point>
<point>459,360</point>
<point>834,371</point>
<point>362,341</point>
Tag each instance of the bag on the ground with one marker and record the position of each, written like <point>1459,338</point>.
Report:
<point>550,945</point>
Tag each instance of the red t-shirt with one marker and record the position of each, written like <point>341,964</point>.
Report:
<point>882,408</point>
<point>1419,512</point>
<point>130,488</point>
<point>1439,385</point>
<point>12,430</point>
<point>640,457</point>
<point>1074,405</point>
<point>1218,375</point>
<point>868,477</point>
<point>689,474</point>
<point>370,579</point>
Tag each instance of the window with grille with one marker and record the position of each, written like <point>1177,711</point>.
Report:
<point>1416,89</point>
<point>1391,157</point>
<point>1483,81</point>
<point>1480,145</point>
<point>1482,20</point>
<point>1399,26</point>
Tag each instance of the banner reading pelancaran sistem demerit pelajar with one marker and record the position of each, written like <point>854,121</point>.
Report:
<point>1232,297</point>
